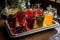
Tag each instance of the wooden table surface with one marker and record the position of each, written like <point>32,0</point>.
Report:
<point>44,35</point>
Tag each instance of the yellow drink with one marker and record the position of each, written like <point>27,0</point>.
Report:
<point>48,18</point>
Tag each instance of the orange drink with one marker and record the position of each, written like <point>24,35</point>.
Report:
<point>48,18</point>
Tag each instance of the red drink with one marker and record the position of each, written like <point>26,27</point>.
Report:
<point>12,22</point>
<point>30,17</point>
<point>20,17</point>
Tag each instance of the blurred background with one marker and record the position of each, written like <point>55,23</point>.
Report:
<point>44,3</point>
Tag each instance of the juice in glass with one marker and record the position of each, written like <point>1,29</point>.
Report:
<point>20,17</point>
<point>12,22</point>
<point>39,17</point>
<point>48,18</point>
<point>30,17</point>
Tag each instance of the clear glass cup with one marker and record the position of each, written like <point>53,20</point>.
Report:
<point>30,18</point>
<point>39,15</point>
<point>20,17</point>
<point>12,23</point>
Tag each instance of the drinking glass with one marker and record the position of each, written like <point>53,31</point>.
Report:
<point>30,17</point>
<point>20,17</point>
<point>12,22</point>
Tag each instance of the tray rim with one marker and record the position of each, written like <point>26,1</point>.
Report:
<point>31,31</point>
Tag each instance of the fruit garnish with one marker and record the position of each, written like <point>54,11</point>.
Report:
<point>30,12</point>
<point>51,9</point>
<point>12,11</point>
<point>39,11</point>
<point>21,5</point>
<point>39,16</point>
